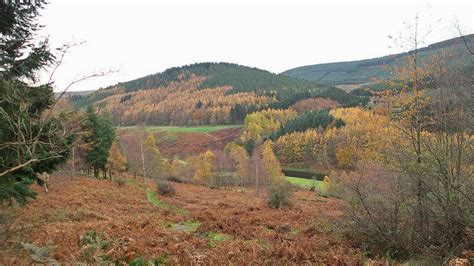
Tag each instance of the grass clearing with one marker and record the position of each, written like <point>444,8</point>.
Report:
<point>319,186</point>
<point>186,226</point>
<point>295,232</point>
<point>174,130</point>
<point>135,183</point>
<point>152,197</point>
<point>215,238</point>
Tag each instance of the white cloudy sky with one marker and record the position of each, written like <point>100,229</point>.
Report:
<point>145,37</point>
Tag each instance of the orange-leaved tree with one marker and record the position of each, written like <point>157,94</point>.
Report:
<point>116,163</point>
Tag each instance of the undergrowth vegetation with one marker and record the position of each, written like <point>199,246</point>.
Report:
<point>279,194</point>
<point>164,188</point>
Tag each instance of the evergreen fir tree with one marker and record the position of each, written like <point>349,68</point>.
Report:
<point>100,137</point>
<point>31,139</point>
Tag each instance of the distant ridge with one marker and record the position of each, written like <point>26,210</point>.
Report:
<point>364,71</point>
<point>241,78</point>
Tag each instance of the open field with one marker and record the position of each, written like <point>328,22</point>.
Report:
<point>184,141</point>
<point>308,166</point>
<point>319,186</point>
<point>172,130</point>
<point>95,221</point>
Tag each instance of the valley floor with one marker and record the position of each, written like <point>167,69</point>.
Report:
<point>92,220</point>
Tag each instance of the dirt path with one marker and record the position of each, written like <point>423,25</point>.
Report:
<point>96,220</point>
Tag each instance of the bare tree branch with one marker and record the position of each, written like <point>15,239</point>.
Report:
<point>458,28</point>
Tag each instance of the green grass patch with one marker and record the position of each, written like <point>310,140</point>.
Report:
<point>319,186</point>
<point>266,228</point>
<point>215,238</point>
<point>142,261</point>
<point>151,195</point>
<point>135,183</point>
<point>186,226</point>
<point>295,232</point>
<point>303,173</point>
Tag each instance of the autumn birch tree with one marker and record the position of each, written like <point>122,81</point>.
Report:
<point>151,158</point>
<point>242,161</point>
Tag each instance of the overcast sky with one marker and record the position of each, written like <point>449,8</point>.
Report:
<point>145,37</point>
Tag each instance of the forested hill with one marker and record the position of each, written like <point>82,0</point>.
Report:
<point>241,78</point>
<point>364,71</point>
<point>205,93</point>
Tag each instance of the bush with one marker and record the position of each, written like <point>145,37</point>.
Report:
<point>93,246</point>
<point>279,194</point>
<point>119,181</point>
<point>175,179</point>
<point>141,261</point>
<point>7,224</point>
<point>164,188</point>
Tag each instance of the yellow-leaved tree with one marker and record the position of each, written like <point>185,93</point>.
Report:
<point>279,190</point>
<point>271,165</point>
<point>116,163</point>
<point>152,161</point>
<point>204,167</point>
<point>260,125</point>
<point>241,160</point>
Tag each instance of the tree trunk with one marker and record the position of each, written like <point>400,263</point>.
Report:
<point>256,180</point>
<point>73,160</point>
<point>143,159</point>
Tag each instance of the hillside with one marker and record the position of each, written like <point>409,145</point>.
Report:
<point>180,141</point>
<point>205,93</point>
<point>364,71</point>
<point>99,222</point>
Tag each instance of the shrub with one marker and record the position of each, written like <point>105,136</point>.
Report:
<point>119,181</point>
<point>175,179</point>
<point>164,188</point>
<point>279,194</point>
<point>93,247</point>
<point>7,224</point>
<point>141,261</point>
